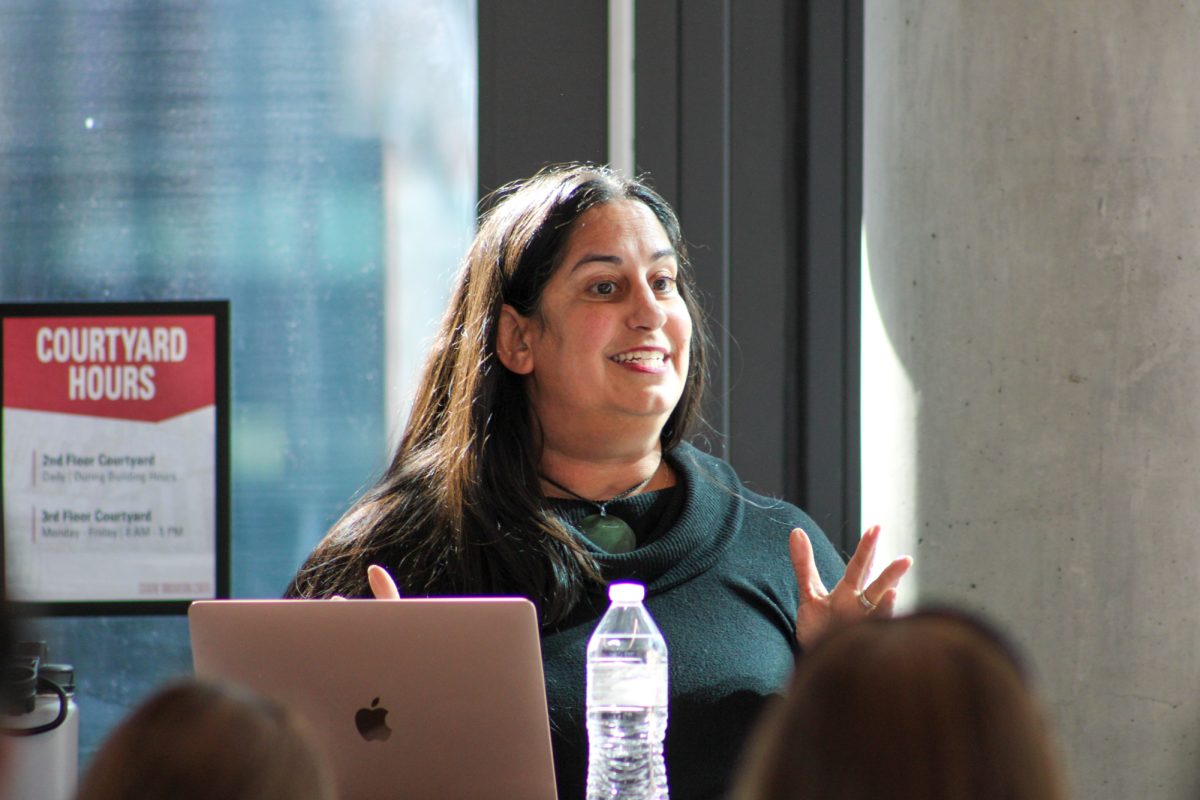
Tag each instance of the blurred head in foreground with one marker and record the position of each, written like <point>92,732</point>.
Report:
<point>931,706</point>
<point>195,740</point>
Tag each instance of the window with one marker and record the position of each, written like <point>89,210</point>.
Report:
<point>311,161</point>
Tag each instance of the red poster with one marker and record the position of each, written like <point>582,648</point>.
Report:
<point>114,433</point>
<point>138,368</point>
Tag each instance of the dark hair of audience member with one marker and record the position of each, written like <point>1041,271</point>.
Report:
<point>931,706</point>
<point>195,740</point>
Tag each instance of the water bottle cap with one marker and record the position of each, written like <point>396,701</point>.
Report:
<point>20,686</point>
<point>626,592</point>
<point>62,674</point>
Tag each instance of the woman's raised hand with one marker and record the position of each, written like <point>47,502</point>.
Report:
<point>849,600</point>
<point>382,585</point>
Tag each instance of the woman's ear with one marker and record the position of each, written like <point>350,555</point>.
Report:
<point>512,345</point>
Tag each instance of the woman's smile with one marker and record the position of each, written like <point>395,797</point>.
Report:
<point>651,360</point>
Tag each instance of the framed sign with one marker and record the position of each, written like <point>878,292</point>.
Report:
<point>115,468</point>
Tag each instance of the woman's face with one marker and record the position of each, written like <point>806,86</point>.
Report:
<point>608,349</point>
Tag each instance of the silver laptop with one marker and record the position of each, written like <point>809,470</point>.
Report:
<point>437,698</point>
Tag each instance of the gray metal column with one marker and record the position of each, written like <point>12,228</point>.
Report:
<point>1031,375</point>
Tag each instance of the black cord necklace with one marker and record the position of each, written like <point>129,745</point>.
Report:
<point>611,533</point>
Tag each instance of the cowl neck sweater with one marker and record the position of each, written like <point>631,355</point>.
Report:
<point>720,586</point>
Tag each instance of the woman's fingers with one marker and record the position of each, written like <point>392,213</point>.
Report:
<point>849,601</point>
<point>805,566</point>
<point>886,606</point>
<point>860,562</point>
<point>888,580</point>
<point>382,585</point>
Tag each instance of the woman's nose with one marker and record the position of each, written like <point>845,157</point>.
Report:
<point>647,311</point>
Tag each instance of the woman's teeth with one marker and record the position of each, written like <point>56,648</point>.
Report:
<point>640,356</point>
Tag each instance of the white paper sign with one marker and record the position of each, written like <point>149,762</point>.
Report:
<point>109,457</point>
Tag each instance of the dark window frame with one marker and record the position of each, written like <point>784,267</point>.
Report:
<point>749,121</point>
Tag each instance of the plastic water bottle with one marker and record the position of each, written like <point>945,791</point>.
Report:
<point>626,701</point>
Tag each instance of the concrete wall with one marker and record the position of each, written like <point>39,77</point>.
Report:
<point>1031,374</point>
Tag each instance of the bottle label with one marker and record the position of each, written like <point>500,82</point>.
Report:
<point>626,684</point>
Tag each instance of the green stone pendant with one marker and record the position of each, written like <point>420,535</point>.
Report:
<point>609,533</point>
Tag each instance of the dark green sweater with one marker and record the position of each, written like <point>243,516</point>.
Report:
<point>721,587</point>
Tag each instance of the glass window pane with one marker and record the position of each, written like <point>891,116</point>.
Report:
<point>312,162</point>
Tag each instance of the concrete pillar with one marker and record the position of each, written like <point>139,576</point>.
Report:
<point>1031,345</point>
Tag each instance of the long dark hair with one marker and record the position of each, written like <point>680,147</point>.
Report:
<point>460,510</point>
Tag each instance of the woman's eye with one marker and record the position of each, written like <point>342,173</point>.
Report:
<point>604,288</point>
<point>663,283</point>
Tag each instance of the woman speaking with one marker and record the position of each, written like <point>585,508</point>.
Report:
<point>546,455</point>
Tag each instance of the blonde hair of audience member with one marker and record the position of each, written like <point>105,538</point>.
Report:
<point>933,706</point>
<point>195,740</point>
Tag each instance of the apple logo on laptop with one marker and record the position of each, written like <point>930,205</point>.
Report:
<point>372,723</point>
